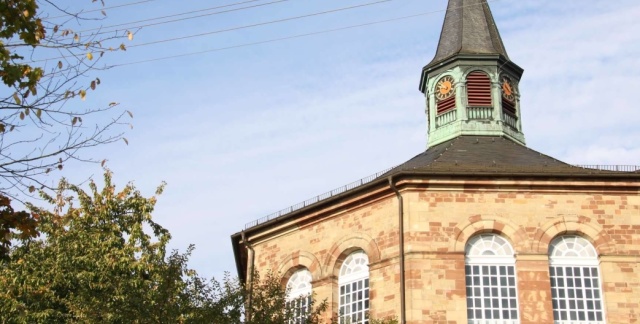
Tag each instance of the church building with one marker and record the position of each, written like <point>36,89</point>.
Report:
<point>478,228</point>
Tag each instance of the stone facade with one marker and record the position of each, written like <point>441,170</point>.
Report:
<point>440,216</point>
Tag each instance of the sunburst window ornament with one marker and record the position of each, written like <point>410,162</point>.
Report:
<point>444,88</point>
<point>508,90</point>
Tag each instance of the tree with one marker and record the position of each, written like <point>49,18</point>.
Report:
<point>95,261</point>
<point>101,258</point>
<point>46,69</point>
<point>20,224</point>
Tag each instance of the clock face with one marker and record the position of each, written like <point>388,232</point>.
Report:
<point>444,88</point>
<point>508,91</point>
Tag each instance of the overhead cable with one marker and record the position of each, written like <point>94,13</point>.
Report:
<point>286,38</point>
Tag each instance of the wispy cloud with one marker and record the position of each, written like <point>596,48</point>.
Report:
<point>241,134</point>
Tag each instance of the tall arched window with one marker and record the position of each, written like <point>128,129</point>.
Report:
<point>299,295</point>
<point>354,289</point>
<point>575,281</point>
<point>490,280</point>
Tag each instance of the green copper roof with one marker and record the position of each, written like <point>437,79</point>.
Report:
<point>468,28</point>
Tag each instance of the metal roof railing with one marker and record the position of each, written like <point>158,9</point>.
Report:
<point>317,198</point>
<point>621,168</point>
<point>365,180</point>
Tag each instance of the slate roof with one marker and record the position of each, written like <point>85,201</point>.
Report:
<point>468,28</point>
<point>486,155</point>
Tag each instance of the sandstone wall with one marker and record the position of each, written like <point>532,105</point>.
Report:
<point>439,219</point>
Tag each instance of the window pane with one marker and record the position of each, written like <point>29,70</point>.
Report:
<point>575,288</point>
<point>488,285</point>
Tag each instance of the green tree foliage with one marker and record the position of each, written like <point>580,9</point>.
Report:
<point>46,65</point>
<point>95,261</point>
<point>102,259</point>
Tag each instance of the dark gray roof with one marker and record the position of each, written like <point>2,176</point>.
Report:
<point>468,28</point>
<point>484,154</point>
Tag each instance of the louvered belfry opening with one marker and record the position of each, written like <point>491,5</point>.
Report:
<point>446,105</point>
<point>509,106</point>
<point>478,89</point>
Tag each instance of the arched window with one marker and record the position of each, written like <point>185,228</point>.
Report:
<point>354,289</point>
<point>490,280</point>
<point>299,295</point>
<point>575,281</point>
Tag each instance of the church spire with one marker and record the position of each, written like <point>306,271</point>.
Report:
<point>471,86</point>
<point>468,28</point>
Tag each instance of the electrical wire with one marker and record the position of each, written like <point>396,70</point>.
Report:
<point>105,8</point>
<point>234,28</point>
<point>268,41</point>
<point>179,14</point>
<point>260,24</point>
<point>287,37</point>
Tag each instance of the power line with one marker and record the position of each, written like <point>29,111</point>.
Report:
<point>181,14</point>
<point>260,24</point>
<point>105,8</point>
<point>235,28</point>
<point>287,37</point>
<point>170,21</point>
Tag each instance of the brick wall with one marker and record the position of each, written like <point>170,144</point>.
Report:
<point>440,216</point>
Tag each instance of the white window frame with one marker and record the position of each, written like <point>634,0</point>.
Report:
<point>491,281</point>
<point>353,291</point>
<point>576,283</point>
<point>299,295</point>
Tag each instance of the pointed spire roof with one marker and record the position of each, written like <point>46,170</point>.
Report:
<point>468,28</point>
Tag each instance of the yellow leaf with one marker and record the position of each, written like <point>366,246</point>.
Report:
<point>38,113</point>
<point>76,37</point>
<point>26,111</point>
<point>59,64</point>
<point>32,188</point>
<point>122,47</point>
<point>90,56</point>
<point>83,94</point>
<point>129,35</point>
<point>16,98</point>
<point>26,13</point>
<point>21,115</point>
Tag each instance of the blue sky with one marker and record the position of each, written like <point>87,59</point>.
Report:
<point>238,134</point>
